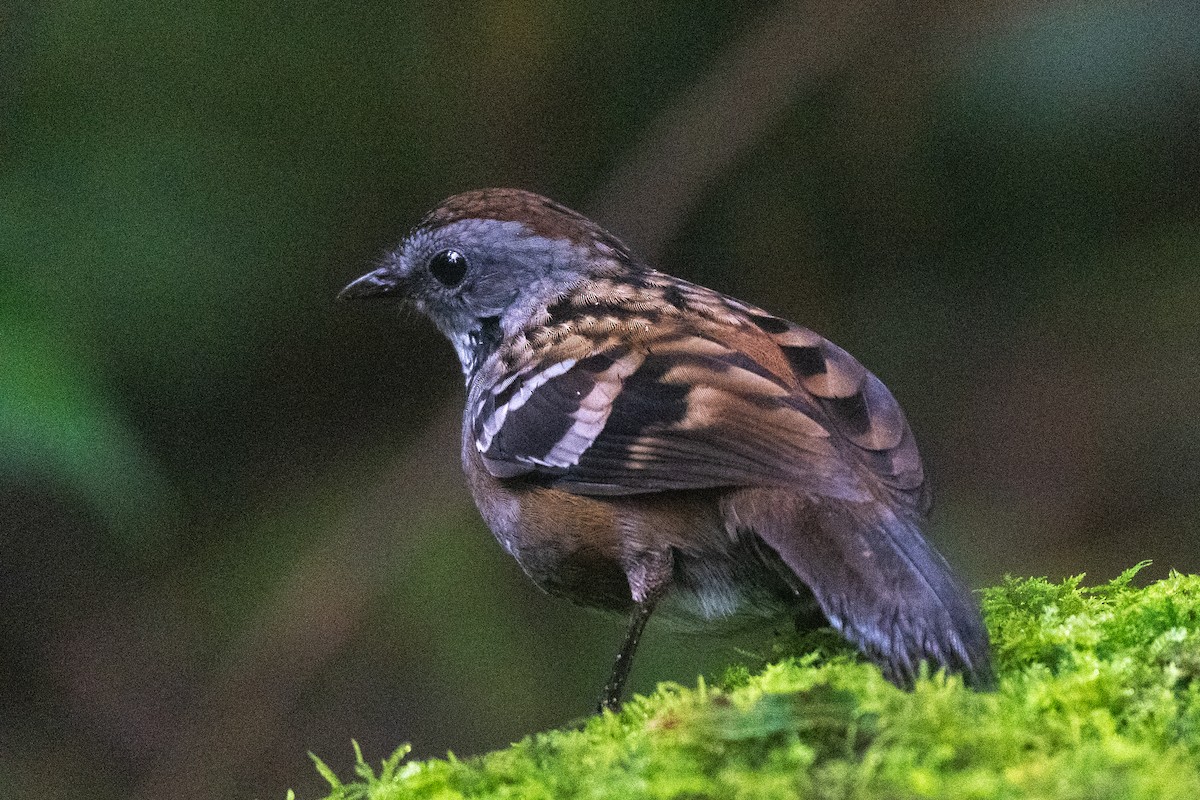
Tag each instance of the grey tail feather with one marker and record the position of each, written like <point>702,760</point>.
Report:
<point>882,586</point>
<point>939,621</point>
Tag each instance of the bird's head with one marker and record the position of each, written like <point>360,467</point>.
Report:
<point>485,262</point>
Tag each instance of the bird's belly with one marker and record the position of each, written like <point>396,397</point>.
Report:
<point>723,585</point>
<point>581,547</point>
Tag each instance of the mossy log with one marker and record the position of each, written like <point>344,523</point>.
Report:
<point>1099,697</point>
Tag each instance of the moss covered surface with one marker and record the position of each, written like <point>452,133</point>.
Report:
<point>1099,698</point>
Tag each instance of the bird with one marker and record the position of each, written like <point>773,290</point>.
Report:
<point>636,441</point>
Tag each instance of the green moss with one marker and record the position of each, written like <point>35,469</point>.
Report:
<point>1099,698</point>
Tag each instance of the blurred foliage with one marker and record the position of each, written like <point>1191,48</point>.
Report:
<point>56,426</point>
<point>1099,697</point>
<point>231,525</point>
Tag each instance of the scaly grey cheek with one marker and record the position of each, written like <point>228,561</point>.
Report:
<point>539,270</point>
<point>494,286</point>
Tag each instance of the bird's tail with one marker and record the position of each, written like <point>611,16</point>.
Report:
<point>877,579</point>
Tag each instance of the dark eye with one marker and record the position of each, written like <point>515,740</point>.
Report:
<point>449,267</point>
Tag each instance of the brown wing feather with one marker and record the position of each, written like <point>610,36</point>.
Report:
<point>856,404</point>
<point>709,392</point>
<point>678,412</point>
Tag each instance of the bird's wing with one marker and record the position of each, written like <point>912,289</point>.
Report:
<point>762,402</point>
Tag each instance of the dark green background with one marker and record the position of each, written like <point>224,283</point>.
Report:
<point>231,524</point>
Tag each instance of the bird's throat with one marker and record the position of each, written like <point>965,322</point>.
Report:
<point>480,342</point>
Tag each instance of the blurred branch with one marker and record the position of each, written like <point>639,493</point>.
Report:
<point>712,123</point>
<point>696,139</point>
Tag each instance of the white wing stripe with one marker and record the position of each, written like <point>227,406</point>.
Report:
<point>592,414</point>
<point>493,424</point>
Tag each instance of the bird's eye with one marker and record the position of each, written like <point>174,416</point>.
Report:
<point>449,267</point>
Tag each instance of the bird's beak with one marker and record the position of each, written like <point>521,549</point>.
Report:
<point>383,282</point>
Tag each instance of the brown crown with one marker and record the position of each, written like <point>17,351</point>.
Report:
<point>541,214</point>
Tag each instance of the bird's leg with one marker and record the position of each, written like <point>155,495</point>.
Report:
<point>610,700</point>
<point>649,579</point>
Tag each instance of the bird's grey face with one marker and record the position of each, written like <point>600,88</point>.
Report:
<point>476,279</point>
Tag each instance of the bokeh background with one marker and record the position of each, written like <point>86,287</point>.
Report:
<point>232,527</point>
